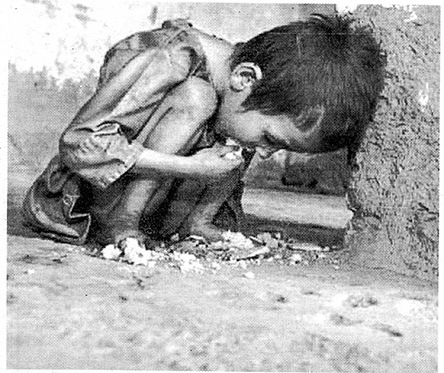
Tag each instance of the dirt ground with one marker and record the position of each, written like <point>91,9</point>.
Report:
<point>70,309</point>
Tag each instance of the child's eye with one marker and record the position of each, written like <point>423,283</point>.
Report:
<point>272,141</point>
<point>268,138</point>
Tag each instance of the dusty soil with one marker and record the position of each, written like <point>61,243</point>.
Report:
<point>69,308</point>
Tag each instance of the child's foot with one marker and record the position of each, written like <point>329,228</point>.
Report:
<point>131,244</point>
<point>208,231</point>
<point>115,234</point>
<point>135,235</point>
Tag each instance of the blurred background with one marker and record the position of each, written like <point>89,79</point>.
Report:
<point>57,47</point>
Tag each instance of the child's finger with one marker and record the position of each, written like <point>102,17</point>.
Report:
<point>234,156</point>
<point>227,149</point>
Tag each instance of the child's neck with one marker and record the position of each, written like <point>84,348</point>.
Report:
<point>218,52</point>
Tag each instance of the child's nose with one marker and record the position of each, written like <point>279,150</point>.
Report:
<point>264,153</point>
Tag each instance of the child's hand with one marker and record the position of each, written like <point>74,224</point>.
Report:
<point>214,163</point>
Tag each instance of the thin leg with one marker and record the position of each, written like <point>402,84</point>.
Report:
<point>200,221</point>
<point>180,122</point>
<point>182,203</point>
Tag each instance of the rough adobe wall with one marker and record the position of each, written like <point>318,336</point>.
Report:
<point>395,190</point>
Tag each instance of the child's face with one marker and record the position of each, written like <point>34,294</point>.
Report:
<point>253,129</point>
<point>265,133</point>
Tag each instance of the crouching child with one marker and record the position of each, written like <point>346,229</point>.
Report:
<point>149,149</point>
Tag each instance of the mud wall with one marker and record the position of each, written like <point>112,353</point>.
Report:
<point>394,190</point>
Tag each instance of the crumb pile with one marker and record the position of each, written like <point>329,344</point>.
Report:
<point>195,255</point>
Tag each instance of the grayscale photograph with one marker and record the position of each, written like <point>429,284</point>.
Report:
<point>293,224</point>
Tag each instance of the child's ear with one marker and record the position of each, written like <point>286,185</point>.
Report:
<point>244,76</point>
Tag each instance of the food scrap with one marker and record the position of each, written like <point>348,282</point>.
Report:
<point>235,154</point>
<point>196,255</point>
<point>111,252</point>
<point>187,262</point>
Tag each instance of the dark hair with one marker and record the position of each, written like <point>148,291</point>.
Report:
<point>321,62</point>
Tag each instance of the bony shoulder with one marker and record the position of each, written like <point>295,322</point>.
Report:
<point>199,93</point>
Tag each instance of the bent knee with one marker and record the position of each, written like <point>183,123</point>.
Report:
<point>196,96</point>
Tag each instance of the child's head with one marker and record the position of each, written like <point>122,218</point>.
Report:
<point>320,79</point>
